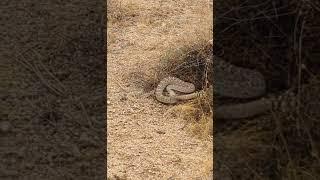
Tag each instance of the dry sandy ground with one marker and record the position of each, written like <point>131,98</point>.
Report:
<point>144,142</point>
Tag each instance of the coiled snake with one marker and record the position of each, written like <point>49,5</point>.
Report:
<point>229,81</point>
<point>171,84</point>
<point>226,86</point>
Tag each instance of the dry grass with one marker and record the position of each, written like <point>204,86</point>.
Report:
<point>187,49</point>
<point>198,117</point>
<point>190,47</point>
<point>119,11</point>
<point>139,34</point>
<point>192,63</point>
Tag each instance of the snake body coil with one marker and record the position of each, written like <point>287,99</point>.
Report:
<point>171,84</point>
<point>228,81</point>
<point>234,111</point>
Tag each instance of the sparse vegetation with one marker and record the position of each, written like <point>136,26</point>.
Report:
<point>118,11</point>
<point>139,34</point>
<point>192,63</point>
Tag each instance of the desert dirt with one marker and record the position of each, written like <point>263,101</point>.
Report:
<point>144,141</point>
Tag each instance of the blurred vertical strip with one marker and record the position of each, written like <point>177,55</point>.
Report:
<point>52,116</point>
<point>280,39</point>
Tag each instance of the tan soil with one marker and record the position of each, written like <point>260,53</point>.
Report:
<point>144,142</point>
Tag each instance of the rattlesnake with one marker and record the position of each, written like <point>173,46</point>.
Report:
<point>242,90</point>
<point>229,81</point>
<point>172,83</point>
<point>234,111</point>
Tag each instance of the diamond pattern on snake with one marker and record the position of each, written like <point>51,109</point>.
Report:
<point>229,81</point>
